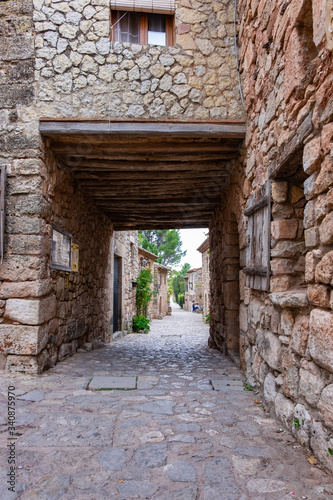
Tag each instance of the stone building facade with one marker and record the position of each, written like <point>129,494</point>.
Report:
<point>284,332</point>
<point>158,306</point>
<point>193,288</point>
<point>275,309</point>
<point>205,276</point>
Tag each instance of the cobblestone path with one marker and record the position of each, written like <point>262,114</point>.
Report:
<point>174,438</point>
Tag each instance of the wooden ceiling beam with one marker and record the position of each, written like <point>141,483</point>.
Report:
<point>226,129</point>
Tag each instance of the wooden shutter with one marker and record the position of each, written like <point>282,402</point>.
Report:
<point>257,268</point>
<point>153,6</point>
<point>2,211</point>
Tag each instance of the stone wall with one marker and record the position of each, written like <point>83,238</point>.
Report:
<point>227,255</point>
<point>125,246</point>
<point>205,277</point>
<point>45,314</point>
<point>194,289</point>
<point>79,73</point>
<point>286,340</point>
<point>159,307</point>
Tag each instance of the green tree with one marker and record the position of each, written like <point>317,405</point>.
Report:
<point>178,283</point>
<point>165,243</point>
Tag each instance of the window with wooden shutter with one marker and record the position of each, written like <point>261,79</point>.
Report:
<point>257,268</point>
<point>143,21</point>
<point>2,211</point>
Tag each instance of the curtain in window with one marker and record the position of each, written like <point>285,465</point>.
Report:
<point>128,28</point>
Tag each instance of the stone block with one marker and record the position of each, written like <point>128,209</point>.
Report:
<point>232,328</point>
<point>23,268</point>
<point>281,266</point>
<point>289,299</point>
<point>28,244</point>
<point>270,388</point>
<point>21,339</point>
<point>290,374</point>
<point>284,409</point>
<point>312,155</point>
<point>311,237</point>
<point>324,204</point>
<point>11,95</point>
<point>324,179</point>
<point>17,72</point>
<point>319,295</point>
<point>16,48</point>
<point>65,350</point>
<point>321,339</point>
<point>231,295</point>
<point>22,225</point>
<point>300,333</point>
<point>25,289</point>
<point>310,267</point>
<point>12,7</point>
<point>303,431</point>
<point>31,312</point>
<point>309,186</point>
<point>319,18</point>
<point>256,311</point>
<point>296,194</point>
<point>284,229</point>
<point>33,204</point>
<point>311,382</point>
<point>100,383</point>
<point>319,442</point>
<point>325,405</point>
<point>243,321</point>
<point>326,230</point>
<point>288,249</point>
<point>309,219</point>
<point>279,191</point>
<point>269,347</point>
<point>29,166</point>
<point>327,138</point>
<point>287,322</point>
<point>282,211</point>
<point>280,283</point>
<point>324,270</point>
<point>28,364</point>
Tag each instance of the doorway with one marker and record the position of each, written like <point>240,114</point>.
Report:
<point>117,294</point>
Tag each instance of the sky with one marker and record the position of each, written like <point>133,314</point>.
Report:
<point>192,239</point>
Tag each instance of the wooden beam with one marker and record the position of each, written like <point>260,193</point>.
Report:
<point>154,128</point>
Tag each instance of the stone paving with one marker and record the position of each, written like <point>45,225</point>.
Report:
<point>172,438</point>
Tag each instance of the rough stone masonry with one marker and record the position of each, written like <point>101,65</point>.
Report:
<point>57,61</point>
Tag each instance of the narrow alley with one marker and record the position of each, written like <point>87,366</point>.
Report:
<point>173,438</point>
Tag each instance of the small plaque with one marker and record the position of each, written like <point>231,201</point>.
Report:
<point>61,250</point>
<point>75,258</point>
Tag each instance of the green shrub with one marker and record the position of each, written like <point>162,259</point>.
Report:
<point>140,323</point>
<point>207,318</point>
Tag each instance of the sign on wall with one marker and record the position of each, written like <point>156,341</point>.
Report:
<point>61,249</point>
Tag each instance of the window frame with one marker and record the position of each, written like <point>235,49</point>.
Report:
<point>169,28</point>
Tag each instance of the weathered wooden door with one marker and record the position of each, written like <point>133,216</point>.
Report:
<point>257,268</point>
<point>116,294</point>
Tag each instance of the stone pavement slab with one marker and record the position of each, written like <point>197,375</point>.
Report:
<point>173,438</point>
<point>104,383</point>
